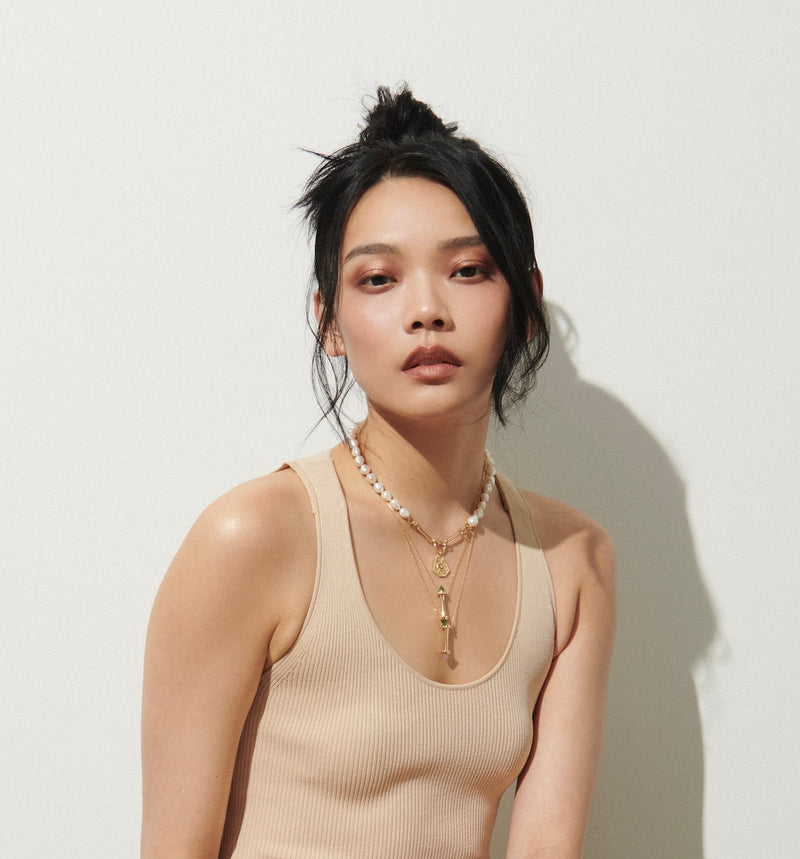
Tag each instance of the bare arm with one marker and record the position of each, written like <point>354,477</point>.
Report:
<point>554,792</point>
<point>227,605</point>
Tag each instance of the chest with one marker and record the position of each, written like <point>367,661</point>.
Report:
<point>449,615</point>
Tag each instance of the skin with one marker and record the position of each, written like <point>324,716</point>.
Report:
<point>413,274</point>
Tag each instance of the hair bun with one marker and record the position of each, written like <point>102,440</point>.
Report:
<point>398,116</point>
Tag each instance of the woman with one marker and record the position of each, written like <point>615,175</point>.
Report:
<point>357,654</point>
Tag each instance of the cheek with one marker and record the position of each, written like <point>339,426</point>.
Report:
<point>364,324</point>
<point>496,320</point>
<point>357,339</point>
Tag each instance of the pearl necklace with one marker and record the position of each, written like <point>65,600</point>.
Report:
<point>440,546</point>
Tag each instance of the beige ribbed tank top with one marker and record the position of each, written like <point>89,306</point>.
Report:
<point>349,752</point>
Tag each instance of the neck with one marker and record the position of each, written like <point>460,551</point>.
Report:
<point>434,471</point>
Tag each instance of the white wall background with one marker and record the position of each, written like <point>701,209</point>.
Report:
<point>153,355</point>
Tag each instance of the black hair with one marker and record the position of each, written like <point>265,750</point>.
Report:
<point>403,137</point>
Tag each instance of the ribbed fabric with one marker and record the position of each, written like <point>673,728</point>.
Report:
<point>349,752</point>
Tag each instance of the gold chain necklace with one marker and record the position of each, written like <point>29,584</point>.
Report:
<point>440,547</point>
<point>446,619</point>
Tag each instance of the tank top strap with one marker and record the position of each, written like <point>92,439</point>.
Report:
<point>318,476</point>
<point>534,572</point>
<point>518,511</point>
<point>334,547</point>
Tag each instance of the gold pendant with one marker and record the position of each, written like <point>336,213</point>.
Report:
<point>440,567</point>
<point>444,620</point>
<point>446,649</point>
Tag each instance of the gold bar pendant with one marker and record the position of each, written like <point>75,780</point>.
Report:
<point>445,622</point>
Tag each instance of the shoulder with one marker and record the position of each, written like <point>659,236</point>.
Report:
<point>562,527</point>
<point>580,555</point>
<point>263,516</point>
<point>246,566</point>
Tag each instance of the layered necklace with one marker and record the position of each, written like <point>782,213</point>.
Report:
<point>439,568</point>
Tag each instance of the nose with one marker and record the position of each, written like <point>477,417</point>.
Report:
<point>427,307</point>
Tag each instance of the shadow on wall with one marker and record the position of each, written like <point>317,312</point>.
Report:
<point>585,447</point>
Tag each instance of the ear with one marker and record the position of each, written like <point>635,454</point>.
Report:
<point>333,343</point>
<point>537,281</point>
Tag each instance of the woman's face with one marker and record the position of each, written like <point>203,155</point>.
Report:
<point>422,310</point>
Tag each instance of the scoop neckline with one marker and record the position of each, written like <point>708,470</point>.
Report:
<point>352,564</point>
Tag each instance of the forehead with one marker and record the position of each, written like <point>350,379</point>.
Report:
<point>406,210</point>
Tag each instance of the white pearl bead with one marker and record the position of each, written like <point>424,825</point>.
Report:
<point>480,513</point>
<point>359,459</point>
<point>364,469</point>
<point>386,495</point>
<point>472,521</point>
<point>395,504</point>
<point>371,478</point>
<point>403,513</point>
<point>378,486</point>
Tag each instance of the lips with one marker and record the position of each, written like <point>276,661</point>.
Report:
<point>426,356</point>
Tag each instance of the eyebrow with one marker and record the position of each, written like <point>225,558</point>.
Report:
<point>461,242</point>
<point>383,248</point>
<point>374,248</point>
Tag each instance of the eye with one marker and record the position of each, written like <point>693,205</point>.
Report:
<point>472,272</point>
<point>375,281</point>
